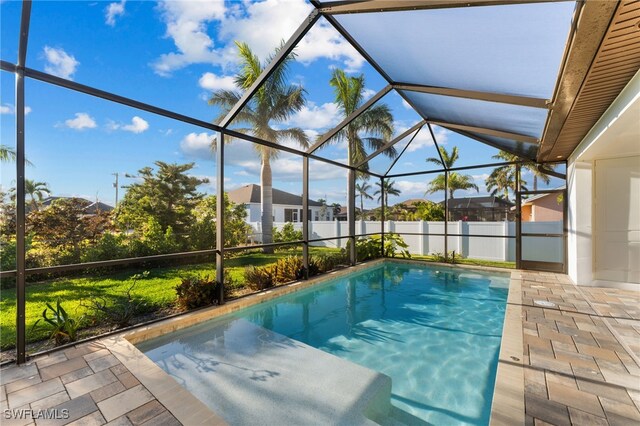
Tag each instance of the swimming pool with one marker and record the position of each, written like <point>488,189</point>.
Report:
<point>434,330</point>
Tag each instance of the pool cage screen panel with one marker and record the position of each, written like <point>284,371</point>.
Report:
<point>523,122</point>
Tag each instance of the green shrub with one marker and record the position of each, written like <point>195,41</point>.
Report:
<point>194,292</point>
<point>63,328</point>
<point>290,268</point>
<point>118,311</point>
<point>286,234</point>
<point>370,247</point>
<point>109,246</point>
<point>259,278</point>
<point>322,263</point>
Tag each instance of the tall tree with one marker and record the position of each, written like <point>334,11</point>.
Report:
<point>385,189</point>
<point>372,129</point>
<point>528,165</point>
<point>8,155</point>
<point>273,104</point>
<point>457,181</point>
<point>362,190</point>
<point>168,195</point>
<point>35,191</point>
<point>449,158</point>
<point>502,180</point>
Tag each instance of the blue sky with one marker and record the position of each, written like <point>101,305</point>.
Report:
<point>173,54</point>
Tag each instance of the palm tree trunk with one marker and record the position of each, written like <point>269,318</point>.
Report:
<point>266,199</point>
<point>535,182</point>
<point>361,207</point>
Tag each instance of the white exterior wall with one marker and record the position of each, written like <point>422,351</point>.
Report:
<point>254,212</point>
<point>615,136</point>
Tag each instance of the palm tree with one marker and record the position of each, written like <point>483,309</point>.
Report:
<point>502,180</point>
<point>275,102</point>
<point>456,180</point>
<point>449,159</point>
<point>8,154</point>
<point>529,165</point>
<point>35,190</point>
<point>376,122</point>
<point>384,189</point>
<point>362,189</point>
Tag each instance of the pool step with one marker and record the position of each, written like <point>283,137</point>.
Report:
<point>250,375</point>
<point>399,417</point>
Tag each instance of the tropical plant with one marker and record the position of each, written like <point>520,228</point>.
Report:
<point>456,181</point>
<point>168,195</point>
<point>362,191</point>
<point>118,311</point>
<point>35,190</point>
<point>448,158</point>
<point>259,277</point>
<point>62,327</point>
<point>371,129</point>
<point>429,211</point>
<point>385,189</point>
<point>286,234</point>
<point>8,155</point>
<point>194,292</point>
<point>527,164</point>
<point>273,104</point>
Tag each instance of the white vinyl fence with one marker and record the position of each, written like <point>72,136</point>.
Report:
<point>487,248</point>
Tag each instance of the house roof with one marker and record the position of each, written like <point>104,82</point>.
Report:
<point>530,200</point>
<point>90,207</point>
<point>480,202</point>
<point>251,194</point>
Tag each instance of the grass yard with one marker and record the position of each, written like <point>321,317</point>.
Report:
<point>475,262</point>
<point>157,289</point>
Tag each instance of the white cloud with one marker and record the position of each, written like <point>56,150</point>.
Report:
<point>81,122</point>
<point>367,94</point>
<point>313,117</point>
<point>197,145</point>
<point>409,189</point>
<point>112,11</point>
<point>60,63</point>
<point>187,25</point>
<point>211,81</point>
<point>424,139</point>
<point>11,109</point>
<point>138,125</point>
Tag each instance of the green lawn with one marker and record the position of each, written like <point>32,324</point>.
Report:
<point>476,262</point>
<point>157,289</point>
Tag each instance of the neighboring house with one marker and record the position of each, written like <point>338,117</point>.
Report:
<point>542,208</point>
<point>487,208</point>
<point>91,207</point>
<point>287,207</point>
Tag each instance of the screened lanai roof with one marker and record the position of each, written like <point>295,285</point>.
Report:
<point>488,70</point>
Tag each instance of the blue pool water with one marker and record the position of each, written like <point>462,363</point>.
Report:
<point>435,331</point>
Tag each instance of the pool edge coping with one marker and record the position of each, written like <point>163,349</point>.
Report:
<point>508,407</point>
<point>508,398</point>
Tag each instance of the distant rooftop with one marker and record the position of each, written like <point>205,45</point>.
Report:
<point>251,194</point>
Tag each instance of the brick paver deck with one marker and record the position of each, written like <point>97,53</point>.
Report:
<point>88,381</point>
<point>582,363</point>
<point>581,360</point>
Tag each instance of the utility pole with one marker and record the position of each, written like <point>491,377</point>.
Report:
<point>115,185</point>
